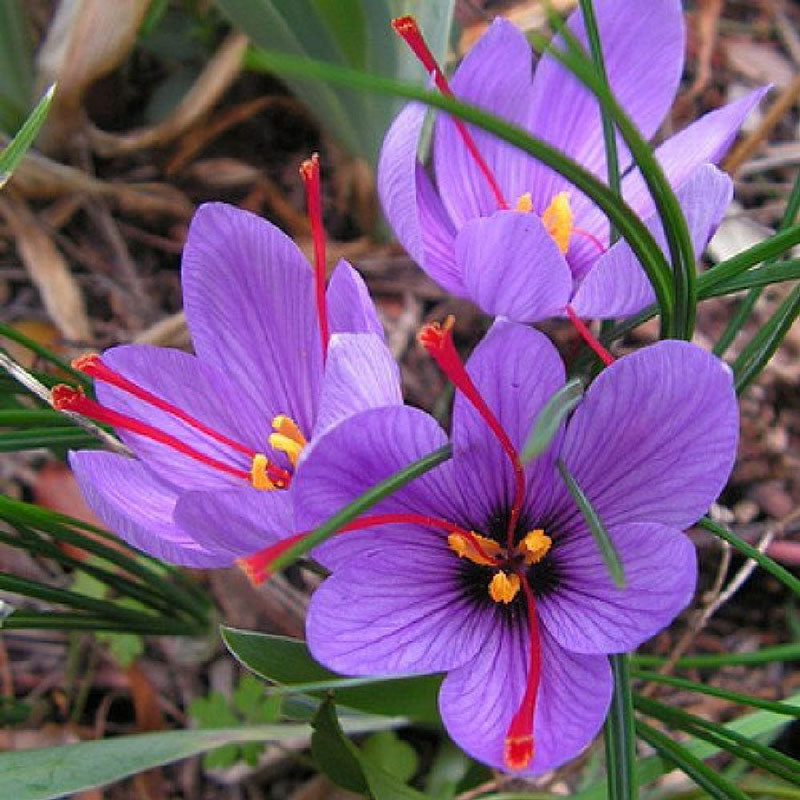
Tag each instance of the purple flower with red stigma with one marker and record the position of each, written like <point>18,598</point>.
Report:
<point>485,569</point>
<point>504,230</point>
<point>216,435</point>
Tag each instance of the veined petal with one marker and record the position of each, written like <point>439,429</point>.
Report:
<point>496,74</point>
<point>239,521</point>
<point>360,373</point>
<point>643,47</point>
<point>393,615</point>
<point>586,613</point>
<point>350,308</point>
<point>617,285</point>
<point>512,267</point>
<point>516,370</point>
<point>654,439</point>
<point>478,701</point>
<point>139,507</point>
<point>249,303</point>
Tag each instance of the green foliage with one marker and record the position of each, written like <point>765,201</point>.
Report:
<point>13,152</point>
<point>16,65</point>
<point>553,413</point>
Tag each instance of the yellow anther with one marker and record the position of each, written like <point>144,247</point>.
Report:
<point>258,473</point>
<point>287,438</point>
<point>525,203</point>
<point>557,218</point>
<point>478,549</point>
<point>503,588</point>
<point>534,546</point>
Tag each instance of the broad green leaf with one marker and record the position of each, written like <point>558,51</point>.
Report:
<point>449,768</point>
<point>14,151</point>
<point>393,755</point>
<point>52,772</point>
<point>287,662</point>
<point>547,422</point>
<point>333,753</point>
<point>595,525</point>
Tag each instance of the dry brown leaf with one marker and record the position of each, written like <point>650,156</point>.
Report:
<point>86,39</point>
<point>49,271</point>
<point>218,74</point>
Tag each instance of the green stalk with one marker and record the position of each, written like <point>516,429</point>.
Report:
<point>361,504</point>
<point>620,734</point>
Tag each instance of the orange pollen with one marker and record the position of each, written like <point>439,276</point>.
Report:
<point>309,172</point>
<point>438,342</point>
<point>408,30</point>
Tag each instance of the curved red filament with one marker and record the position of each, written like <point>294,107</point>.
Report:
<point>438,342</point>
<point>408,30</point>
<point>518,746</point>
<point>587,336</point>
<point>309,172</point>
<point>258,565</point>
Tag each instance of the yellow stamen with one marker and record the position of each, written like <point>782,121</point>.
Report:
<point>534,546</point>
<point>503,588</point>
<point>287,438</point>
<point>525,203</point>
<point>464,547</point>
<point>557,218</point>
<point>258,473</point>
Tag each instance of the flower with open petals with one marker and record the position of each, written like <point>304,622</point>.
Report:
<point>216,435</point>
<point>486,570</point>
<point>504,230</point>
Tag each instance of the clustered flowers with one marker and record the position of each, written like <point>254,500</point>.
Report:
<point>484,568</point>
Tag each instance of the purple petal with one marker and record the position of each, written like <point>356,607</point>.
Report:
<point>410,203</point>
<point>239,521</point>
<point>404,613</point>
<point>643,46</point>
<point>201,390</point>
<point>478,701</point>
<point>249,304</point>
<point>654,439</point>
<point>512,267</point>
<point>586,613</point>
<point>704,141</point>
<point>516,370</point>
<point>360,373</point>
<point>617,285</point>
<point>358,453</point>
<point>496,75</point>
<point>136,505</point>
<point>350,308</point>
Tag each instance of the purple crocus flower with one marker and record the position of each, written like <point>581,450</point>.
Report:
<point>504,230</point>
<point>216,435</point>
<point>485,569</point>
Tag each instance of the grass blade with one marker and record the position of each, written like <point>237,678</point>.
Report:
<point>780,652</point>
<point>595,524</point>
<point>550,417</point>
<point>620,735</point>
<point>14,151</point>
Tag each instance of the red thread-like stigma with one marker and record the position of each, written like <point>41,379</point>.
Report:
<point>438,342</point>
<point>586,335</point>
<point>518,745</point>
<point>309,172</point>
<point>590,237</point>
<point>408,30</point>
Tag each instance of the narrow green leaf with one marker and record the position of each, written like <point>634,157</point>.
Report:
<point>762,559</point>
<point>777,272</point>
<point>287,662</point>
<point>620,735</point>
<point>777,706</point>
<point>53,772</point>
<point>547,422</point>
<point>14,335</point>
<point>780,652</point>
<point>29,417</point>
<point>69,621</point>
<point>13,152</point>
<point>620,215</point>
<point>705,777</point>
<point>595,524</point>
<point>71,437</point>
<point>333,754</point>
<point>361,504</point>
<point>16,64</point>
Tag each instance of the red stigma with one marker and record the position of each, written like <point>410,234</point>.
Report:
<point>518,745</point>
<point>587,336</point>
<point>438,342</point>
<point>408,30</point>
<point>590,237</point>
<point>309,172</point>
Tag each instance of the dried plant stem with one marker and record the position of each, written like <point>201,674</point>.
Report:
<point>22,376</point>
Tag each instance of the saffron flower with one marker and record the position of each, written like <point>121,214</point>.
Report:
<point>503,229</point>
<point>216,435</point>
<point>485,569</point>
